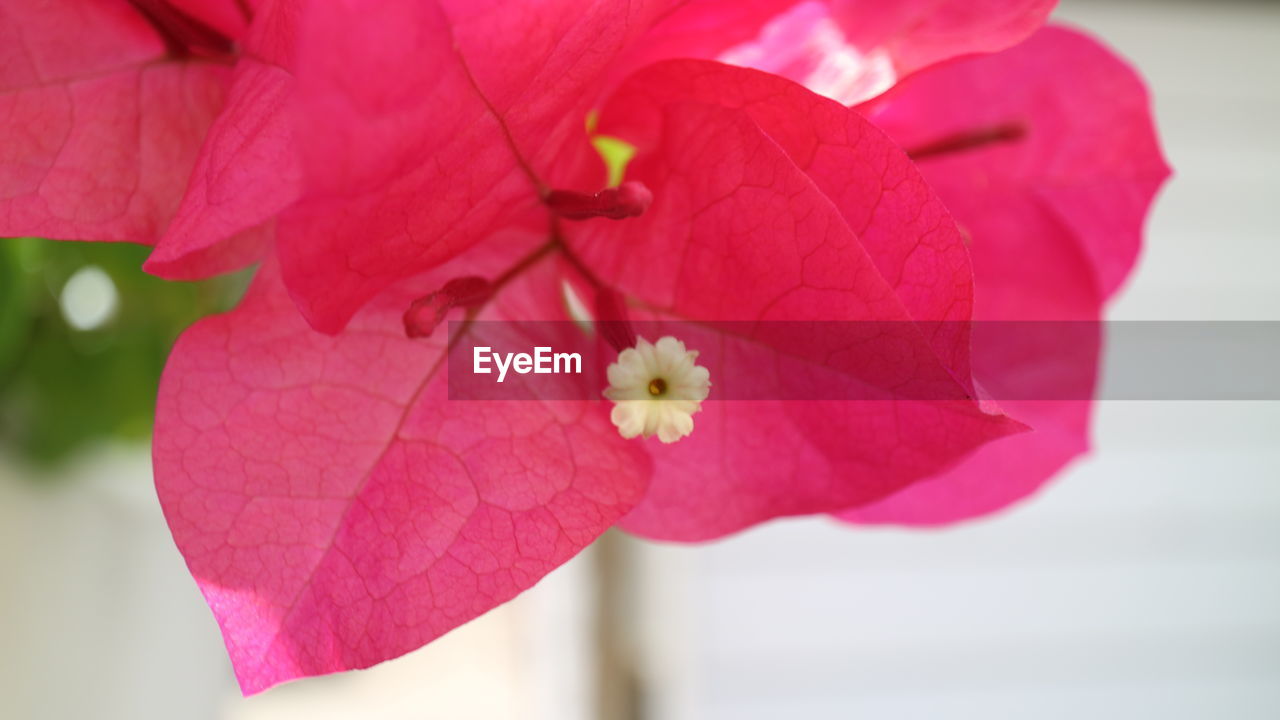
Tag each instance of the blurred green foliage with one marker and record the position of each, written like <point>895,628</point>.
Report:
<point>62,387</point>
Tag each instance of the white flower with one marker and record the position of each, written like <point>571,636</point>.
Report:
<point>657,388</point>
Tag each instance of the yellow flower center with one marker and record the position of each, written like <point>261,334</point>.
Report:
<point>657,386</point>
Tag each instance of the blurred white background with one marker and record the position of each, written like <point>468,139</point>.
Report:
<point>1144,583</point>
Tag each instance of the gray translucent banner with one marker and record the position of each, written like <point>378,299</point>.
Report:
<point>870,361</point>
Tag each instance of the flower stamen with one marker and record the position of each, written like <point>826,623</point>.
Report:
<point>628,200</point>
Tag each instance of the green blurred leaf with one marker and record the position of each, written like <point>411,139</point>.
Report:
<point>62,387</point>
<point>14,307</point>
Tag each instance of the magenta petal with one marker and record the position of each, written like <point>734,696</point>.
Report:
<point>100,140</point>
<point>997,474</point>
<point>697,29</point>
<point>877,193</point>
<point>249,169</point>
<point>774,204</point>
<point>1028,267</point>
<point>1055,216</point>
<point>246,174</point>
<point>805,44</point>
<point>1088,152</point>
<point>338,510</point>
<point>423,126</point>
<point>852,50</point>
<point>919,33</point>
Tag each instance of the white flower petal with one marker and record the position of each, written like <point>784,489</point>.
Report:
<point>668,415</point>
<point>629,418</point>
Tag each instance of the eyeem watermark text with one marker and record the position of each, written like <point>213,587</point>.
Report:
<point>543,361</point>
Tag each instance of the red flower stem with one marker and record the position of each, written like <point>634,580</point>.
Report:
<point>969,140</point>
<point>511,273</point>
<point>574,261</point>
<point>555,243</point>
<point>628,200</point>
<point>523,264</point>
<point>539,186</point>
